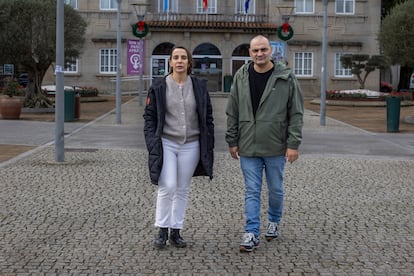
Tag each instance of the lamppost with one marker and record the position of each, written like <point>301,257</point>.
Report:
<point>59,103</point>
<point>118,65</point>
<point>140,30</point>
<point>323,67</point>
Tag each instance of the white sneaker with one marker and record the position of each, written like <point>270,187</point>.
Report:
<point>272,231</point>
<point>249,243</point>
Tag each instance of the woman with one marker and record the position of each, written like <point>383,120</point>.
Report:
<point>179,134</point>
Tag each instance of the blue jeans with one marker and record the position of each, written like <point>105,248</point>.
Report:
<point>252,168</point>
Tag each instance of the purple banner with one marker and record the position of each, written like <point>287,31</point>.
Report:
<point>135,56</point>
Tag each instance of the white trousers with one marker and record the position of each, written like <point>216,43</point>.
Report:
<point>177,170</point>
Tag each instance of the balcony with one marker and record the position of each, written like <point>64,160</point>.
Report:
<point>162,16</point>
<point>253,23</point>
<point>161,22</point>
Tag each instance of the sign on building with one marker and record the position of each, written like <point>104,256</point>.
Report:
<point>135,56</point>
<point>278,51</point>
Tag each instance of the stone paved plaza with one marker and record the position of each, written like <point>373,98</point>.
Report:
<point>345,213</point>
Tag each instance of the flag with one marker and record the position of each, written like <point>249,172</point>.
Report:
<point>166,8</point>
<point>205,5</point>
<point>246,5</point>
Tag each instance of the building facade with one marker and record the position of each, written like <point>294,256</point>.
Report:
<point>218,35</point>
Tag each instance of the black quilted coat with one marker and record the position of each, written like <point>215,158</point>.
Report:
<point>154,116</point>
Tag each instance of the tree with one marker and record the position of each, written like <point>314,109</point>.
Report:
<point>387,5</point>
<point>396,36</point>
<point>396,39</point>
<point>28,38</point>
<point>359,63</point>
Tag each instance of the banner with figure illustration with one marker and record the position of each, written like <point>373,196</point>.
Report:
<point>135,56</point>
<point>278,51</point>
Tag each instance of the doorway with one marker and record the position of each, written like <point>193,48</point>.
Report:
<point>159,60</point>
<point>208,65</point>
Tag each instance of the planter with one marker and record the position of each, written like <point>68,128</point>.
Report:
<point>10,108</point>
<point>350,99</point>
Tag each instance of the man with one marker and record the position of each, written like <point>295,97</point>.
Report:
<point>264,130</point>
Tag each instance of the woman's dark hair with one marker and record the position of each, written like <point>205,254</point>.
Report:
<point>189,56</point>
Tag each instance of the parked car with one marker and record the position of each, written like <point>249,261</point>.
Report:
<point>51,89</point>
<point>23,79</point>
<point>412,81</point>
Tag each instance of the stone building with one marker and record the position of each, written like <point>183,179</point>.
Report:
<point>218,35</point>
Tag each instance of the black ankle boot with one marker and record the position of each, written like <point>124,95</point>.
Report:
<point>162,238</point>
<point>176,239</point>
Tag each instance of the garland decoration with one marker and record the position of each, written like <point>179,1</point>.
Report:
<point>140,29</point>
<point>285,32</point>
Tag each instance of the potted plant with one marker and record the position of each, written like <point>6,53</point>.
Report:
<point>10,105</point>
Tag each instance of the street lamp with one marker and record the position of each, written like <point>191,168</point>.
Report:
<point>59,101</point>
<point>140,30</point>
<point>323,67</point>
<point>119,64</point>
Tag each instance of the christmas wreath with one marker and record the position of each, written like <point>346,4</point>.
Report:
<point>285,32</point>
<point>140,29</point>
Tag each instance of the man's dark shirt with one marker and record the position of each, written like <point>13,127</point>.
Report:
<point>257,83</point>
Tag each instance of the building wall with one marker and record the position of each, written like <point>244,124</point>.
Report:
<point>346,33</point>
<point>343,29</point>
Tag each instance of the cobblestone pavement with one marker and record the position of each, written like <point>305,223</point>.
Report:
<point>345,213</point>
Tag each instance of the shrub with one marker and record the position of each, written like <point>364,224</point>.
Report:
<point>86,91</point>
<point>402,95</point>
<point>12,88</point>
<point>337,95</point>
<point>385,87</point>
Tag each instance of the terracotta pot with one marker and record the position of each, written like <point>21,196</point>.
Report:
<point>10,108</point>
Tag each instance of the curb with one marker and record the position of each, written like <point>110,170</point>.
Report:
<point>359,103</point>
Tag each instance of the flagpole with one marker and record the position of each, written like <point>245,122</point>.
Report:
<point>246,9</point>
<point>207,13</point>
<point>205,7</point>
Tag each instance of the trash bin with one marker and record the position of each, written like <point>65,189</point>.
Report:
<point>393,113</point>
<point>227,83</point>
<point>69,105</point>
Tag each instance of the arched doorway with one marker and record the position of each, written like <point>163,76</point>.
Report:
<point>159,60</point>
<point>208,65</point>
<point>239,57</point>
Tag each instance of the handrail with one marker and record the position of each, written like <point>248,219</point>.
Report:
<point>131,78</point>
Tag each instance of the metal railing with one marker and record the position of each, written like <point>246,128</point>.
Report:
<point>259,18</point>
<point>161,16</point>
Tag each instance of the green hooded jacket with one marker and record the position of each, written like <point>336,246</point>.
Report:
<point>279,117</point>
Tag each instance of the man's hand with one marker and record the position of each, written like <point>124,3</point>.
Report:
<point>234,152</point>
<point>292,155</point>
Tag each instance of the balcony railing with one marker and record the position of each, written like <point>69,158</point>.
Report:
<point>163,16</point>
<point>257,18</point>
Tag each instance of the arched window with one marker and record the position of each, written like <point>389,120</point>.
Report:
<point>163,49</point>
<point>206,49</point>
